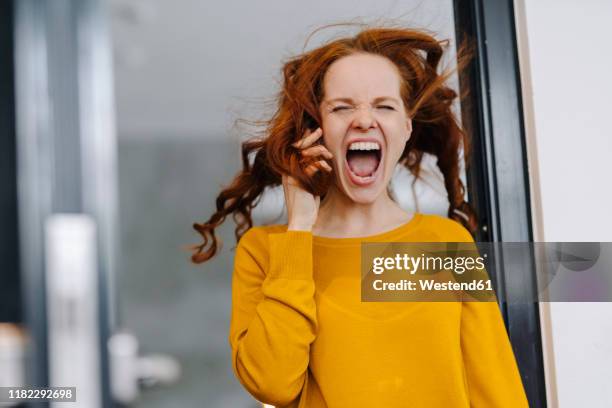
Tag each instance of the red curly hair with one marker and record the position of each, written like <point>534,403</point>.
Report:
<point>424,92</point>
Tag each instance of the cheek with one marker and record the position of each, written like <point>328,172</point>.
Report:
<point>395,133</point>
<point>333,133</point>
<point>395,124</point>
<point>331,142</point>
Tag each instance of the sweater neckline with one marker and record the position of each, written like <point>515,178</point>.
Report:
<point>380,237</point>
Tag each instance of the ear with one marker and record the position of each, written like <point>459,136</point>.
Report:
<point>408,127</point>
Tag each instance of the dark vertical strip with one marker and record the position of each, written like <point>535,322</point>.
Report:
<point>500,189</point>
<point>10,282</point>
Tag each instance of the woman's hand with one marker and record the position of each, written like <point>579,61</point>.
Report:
<point>302,206</point>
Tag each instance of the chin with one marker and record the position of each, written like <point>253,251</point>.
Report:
<point>365,195</point>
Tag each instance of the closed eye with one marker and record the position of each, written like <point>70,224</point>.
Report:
<point>338,108</point>
<point>386,107</point>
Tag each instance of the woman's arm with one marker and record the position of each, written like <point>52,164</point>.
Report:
<point>492,375</point>
<point>273,314</point>
<point>491,372</point>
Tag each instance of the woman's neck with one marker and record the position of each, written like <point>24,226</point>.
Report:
<point>341,217</point>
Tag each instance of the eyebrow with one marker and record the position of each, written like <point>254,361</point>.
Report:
<point>376,100</point>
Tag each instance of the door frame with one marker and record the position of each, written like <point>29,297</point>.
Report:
<point>498,178</point>
<point>10,297</point>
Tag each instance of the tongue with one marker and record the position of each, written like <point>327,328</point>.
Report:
<point>362,163</point>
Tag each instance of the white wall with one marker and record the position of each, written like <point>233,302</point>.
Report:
<point>189,68</point>
<point>566,64</point>
<point>186,70</point>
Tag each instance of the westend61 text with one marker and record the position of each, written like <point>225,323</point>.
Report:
<point>430,284</point>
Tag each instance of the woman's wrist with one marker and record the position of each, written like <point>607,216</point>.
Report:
<point>297,226</point>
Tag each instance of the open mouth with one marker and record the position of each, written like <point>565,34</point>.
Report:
<point>363,160</point>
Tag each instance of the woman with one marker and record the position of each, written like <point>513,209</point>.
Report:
<point>348,113</point>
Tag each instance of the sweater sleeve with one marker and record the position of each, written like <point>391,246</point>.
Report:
<point>492,375</point>
<point>491,371</point>
<point>274,317</point>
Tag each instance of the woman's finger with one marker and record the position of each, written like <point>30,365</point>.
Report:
<point>324,165</point>
<point>312,169</point>
<point>316,151</point>
<point>308,139</point>
<point>316,166</point>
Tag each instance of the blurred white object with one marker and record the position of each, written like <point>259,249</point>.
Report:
<point>427,194</point>
<point>128,370</point>
<point>72,306</point>
<point>12,356</point>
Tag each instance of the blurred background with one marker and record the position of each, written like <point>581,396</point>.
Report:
<point>118,123</point>
<point>183,74</point>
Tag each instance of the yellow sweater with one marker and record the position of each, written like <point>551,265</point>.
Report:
<point>301,337</point>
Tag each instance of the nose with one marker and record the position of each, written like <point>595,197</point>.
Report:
<point>364,119</point>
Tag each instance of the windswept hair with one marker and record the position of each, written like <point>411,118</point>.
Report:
<point>425,94</point>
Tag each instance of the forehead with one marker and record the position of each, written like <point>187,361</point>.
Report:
<point>361,76</point>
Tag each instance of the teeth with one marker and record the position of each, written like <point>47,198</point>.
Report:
<point>364,146</point>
